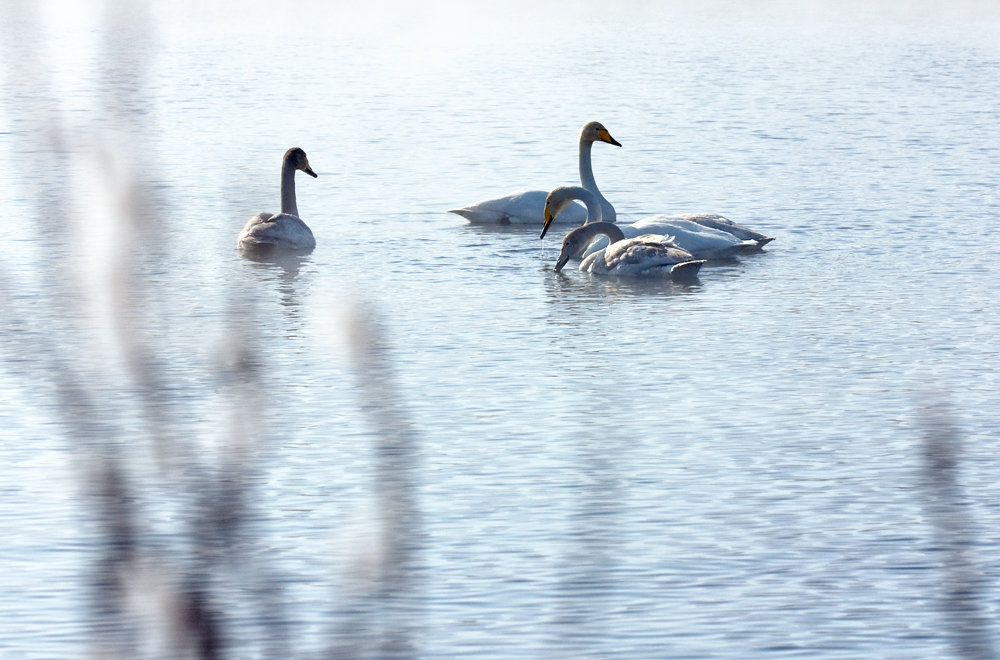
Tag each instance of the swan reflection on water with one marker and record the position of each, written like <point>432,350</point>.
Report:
<point>587,289</point>
<point>282,271</point>
<point>289,263</point>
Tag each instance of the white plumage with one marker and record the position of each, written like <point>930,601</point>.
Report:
<point>526,207</point>
<point>689,233</point>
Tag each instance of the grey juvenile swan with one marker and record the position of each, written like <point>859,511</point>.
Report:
<point>648,254</point>
<point>285,232</point>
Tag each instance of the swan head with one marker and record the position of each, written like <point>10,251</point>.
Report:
<point>555,203</point>
<point>595,132</point>
<point>573,244</point>
<point>298,159</point>
<point>561,197</point>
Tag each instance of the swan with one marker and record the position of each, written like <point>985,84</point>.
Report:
<point>266,232</point>
<point>526,207</point>
<point>686,232</point>
<point>644,255</point>
<point>647,254</point>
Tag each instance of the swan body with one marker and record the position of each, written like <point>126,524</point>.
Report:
<point>526,207</point>
<point>688,232</point>
<point>516,208</point>
<point>285,232</point>
<point>642,255</point>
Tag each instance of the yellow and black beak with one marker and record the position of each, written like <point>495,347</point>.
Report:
<point>606,137</point>
<point>548,221</point>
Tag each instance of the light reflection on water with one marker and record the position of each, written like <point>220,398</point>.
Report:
<point>419,441</point>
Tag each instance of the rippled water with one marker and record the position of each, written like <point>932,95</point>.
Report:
<point>586,467</point>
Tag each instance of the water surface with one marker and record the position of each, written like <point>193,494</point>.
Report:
<point>581,467</point>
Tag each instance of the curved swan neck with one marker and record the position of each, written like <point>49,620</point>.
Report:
<point>590,199</point>
<point>288,188</point>
<point>611,230</point>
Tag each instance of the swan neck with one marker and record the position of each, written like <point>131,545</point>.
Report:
<point>595,213</point>
<point>586,168</point>
<point>288,189</point>
<point>588,181</point>
<point>609,229</point>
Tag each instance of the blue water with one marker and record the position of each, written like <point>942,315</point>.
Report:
<point>583,467</point>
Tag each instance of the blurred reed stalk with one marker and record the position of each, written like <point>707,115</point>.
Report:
<point>963,597</point>
<point>156,600</point>
<point>152,599</point>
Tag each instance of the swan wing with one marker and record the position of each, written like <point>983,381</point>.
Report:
<point>725,224</point>
<point>649,233</point>
<point>667,244</point>
<point>648,255</point>
<point>643,255</point>
<point>258,219</point>
<point>252,226</point>
<point>594,263</point>
<point>518,208</point>
<point>283,231</point>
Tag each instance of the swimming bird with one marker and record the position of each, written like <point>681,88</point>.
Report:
<point>644,255</point>
<point>526,207</point>
<point>285,232</point>
<point>685,231</point>
<point>647,254</point>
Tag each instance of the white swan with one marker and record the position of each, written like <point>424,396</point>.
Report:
<point>526,207</point>
<point>689,233</point>
<point>643,255</point>
<point>686,232</point>
<point>284,232</point>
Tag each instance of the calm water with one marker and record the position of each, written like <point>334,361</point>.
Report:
<point>585,467</point>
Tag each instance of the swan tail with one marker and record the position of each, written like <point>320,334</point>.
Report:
<point>747,247</point>
<point>482,216</point>
<point>687,270</point>
<point>752,245</point>
<point>255,247</point>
